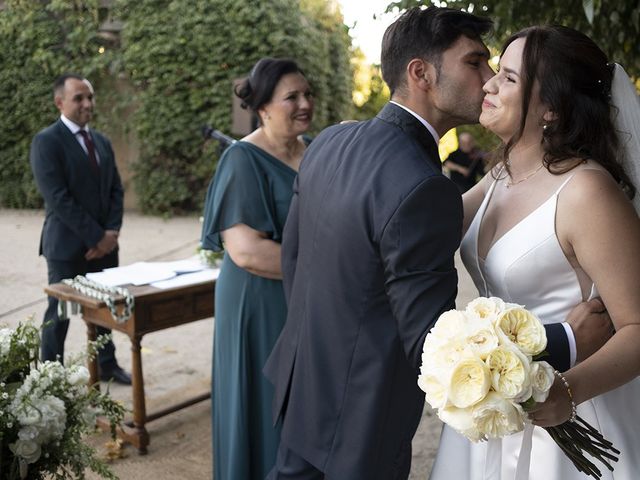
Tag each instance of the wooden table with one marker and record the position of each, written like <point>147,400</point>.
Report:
<point>154,310</point>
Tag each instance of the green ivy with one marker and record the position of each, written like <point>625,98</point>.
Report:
<point>180,58</point>
<point>38,41</point>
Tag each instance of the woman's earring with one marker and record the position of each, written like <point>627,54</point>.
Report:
<point>544,127</point>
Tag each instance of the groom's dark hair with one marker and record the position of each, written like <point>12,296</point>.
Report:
<point>426,34</point>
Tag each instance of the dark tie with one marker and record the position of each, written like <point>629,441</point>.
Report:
<point>90,150</point>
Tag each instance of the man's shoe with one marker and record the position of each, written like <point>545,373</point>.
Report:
<point>117,374</point>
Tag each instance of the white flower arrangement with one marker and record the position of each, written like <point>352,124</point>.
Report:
<point>478,368</point>
<point>481,370</point>
<point>45,410</point>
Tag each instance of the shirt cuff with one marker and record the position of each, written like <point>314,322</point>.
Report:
<point>573,351</point>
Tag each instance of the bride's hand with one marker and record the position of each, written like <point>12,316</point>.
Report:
<point>555,410</point>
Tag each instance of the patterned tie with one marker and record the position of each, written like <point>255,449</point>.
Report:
<point>90,150</point>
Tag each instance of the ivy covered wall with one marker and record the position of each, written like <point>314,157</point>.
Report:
<point>180,59</point>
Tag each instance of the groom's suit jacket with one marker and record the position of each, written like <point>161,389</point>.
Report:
<point>368,267</point>
<point>79,204</point>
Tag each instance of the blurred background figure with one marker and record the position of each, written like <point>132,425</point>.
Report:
<point>75,170</point>
<point>245,210</point>
<point>466,164</point>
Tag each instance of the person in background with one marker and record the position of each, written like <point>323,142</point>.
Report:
<point>466,164</point>
<point>75,171</point>
<point>246,207</point>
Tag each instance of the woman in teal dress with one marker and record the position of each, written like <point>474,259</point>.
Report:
<point>245,211</point>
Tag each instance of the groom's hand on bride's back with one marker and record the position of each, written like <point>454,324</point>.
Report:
<point>591,326</point>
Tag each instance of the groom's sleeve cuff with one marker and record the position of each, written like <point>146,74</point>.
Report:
<point>573,351</point>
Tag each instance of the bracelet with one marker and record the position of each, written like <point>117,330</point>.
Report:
<point>562,378</point>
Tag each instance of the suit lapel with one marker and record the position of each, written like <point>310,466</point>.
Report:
<point>411,126</point>
<point>80,158</point>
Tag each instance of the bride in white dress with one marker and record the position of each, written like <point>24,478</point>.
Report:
<point>547,228</point>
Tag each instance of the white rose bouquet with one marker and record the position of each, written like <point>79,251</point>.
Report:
<point>45,409</point>
<point>481,369</point>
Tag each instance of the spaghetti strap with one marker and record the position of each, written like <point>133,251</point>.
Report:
<point>563,184</point>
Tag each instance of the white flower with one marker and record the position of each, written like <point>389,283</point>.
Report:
<point>521,327</point>
<point>470,382</point>
<point>28,450</point>
<point>77,375</point>
<point>461,420</point>
<point>435,390</point>
<point>26,414</point>
<point>5,341</point>
<point>450,325</point>
<point>481,336</point>
<point>509,373</point>
<point>497,417</point>
<point>485,308</point>
<point>542,378</point>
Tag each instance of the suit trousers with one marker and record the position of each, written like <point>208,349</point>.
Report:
<point>291,466</point>
<point>54,329</point>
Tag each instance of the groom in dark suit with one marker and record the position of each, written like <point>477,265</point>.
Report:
<point>75,171</point>
<point>368,259</point>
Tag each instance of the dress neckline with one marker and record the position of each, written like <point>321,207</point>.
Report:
<point>507,233</point>
<point>269,156</point>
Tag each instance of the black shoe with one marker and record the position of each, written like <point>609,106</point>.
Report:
<point>117,374</point>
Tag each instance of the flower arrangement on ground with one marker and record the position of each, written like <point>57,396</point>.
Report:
<point>45,410</point>
<point>481,370</point>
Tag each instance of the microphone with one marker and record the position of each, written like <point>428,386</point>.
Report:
<point>210,132</point>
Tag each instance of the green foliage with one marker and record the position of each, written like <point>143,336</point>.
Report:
<point>613,24</point>
<point>182,58</point>
<point>377,98</point>
<point>40,40</point>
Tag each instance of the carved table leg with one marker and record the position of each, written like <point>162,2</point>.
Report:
<point>139,407</point>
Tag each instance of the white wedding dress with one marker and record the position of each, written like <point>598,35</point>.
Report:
<point>527,266</point>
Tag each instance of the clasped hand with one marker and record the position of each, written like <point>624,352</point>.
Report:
<point>105,246</point>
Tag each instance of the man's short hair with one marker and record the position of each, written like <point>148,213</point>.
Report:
<point>58,84</point>
<point>426,34</point>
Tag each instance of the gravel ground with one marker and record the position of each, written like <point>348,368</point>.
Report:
<point>176,361</point>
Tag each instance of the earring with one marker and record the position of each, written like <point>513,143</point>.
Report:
<point>544,127</point>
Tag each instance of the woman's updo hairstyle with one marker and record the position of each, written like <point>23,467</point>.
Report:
<point>257,89</point>
<point>575,83</point>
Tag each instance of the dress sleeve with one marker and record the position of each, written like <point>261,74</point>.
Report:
<point>238,193</point>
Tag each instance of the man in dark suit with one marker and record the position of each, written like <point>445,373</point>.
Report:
<point>75,171</point>
<point>368,259</point>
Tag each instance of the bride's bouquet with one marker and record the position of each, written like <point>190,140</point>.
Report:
<point>481,369</point>
<point>45,410</point>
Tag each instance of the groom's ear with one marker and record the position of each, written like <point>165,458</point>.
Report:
<point>421,74</point>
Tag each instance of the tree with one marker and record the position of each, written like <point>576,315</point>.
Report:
<point>40,40</point>
<point>182,58</point>
<point>613,24</point>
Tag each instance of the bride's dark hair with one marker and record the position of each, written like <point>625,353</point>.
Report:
<point>575,83</point>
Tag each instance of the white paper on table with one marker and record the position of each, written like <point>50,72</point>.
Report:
<point>188,279</point>
<point>140,273</point>
<point>187,265</point>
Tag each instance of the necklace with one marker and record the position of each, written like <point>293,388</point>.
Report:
<point>510,183</point>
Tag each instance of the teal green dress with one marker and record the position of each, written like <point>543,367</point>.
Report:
<point>251,187</point>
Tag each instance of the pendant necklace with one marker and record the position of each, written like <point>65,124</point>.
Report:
<point>510,183</point>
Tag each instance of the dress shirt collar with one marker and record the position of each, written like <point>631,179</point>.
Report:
<point>74,127</point>
<point>432,130</point>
